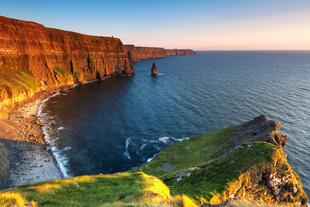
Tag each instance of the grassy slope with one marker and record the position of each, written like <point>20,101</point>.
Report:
<point>214,177</point>
<point>136,189</point>
<point>18,86</point>
<point>211,171</point>
<point>187,155</point>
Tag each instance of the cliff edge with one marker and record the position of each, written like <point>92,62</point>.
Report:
<point>236,166</point>
<point>34,58</point>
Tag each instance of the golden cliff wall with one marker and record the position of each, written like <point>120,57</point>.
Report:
<point>142,53</point>
<point>34,58</point>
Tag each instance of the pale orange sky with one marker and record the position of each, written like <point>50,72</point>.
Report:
<point>288,31</point>
<point>197,24</point>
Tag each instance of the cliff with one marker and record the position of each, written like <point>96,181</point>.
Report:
<point>142,53</point>
<point>244,162</point>
<point>34,58</point>
<point>242,165</point>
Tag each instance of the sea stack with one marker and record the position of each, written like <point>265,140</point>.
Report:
<point>154,70</point>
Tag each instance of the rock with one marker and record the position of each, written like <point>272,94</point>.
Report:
<point>154,70</point>
<point>258,129</point>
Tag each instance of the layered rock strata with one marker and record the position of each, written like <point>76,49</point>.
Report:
<point>34,58</point>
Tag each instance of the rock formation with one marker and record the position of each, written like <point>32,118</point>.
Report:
<point>34,58</point>
<point>154,70</point>
<point>141,53</point>
<point>236,165</point>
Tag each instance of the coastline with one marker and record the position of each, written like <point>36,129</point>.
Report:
<point>25,145</point>
<point>30,154</point>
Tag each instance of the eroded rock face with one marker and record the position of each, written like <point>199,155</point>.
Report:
<point>51,59</point>
<point>141,53</point>
<point>258,129</point>
<point>273,183</point>
<point>262,129</point>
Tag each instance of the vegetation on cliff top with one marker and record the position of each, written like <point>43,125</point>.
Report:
<point>120,189</point>
<point>204,169</point>
<point>196,168</point>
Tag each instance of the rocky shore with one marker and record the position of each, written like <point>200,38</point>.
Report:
<point>25,152</point>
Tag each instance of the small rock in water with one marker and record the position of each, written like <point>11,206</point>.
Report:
<point>154,70</point>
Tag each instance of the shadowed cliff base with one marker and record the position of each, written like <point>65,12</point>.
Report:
<point>195,172</point>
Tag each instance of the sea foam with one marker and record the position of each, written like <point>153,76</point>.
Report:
<point>46,122</point>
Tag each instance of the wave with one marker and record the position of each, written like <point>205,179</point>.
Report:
<point>126,153</point>
<point>150,159</point>
<point>47,123</point>
<point>168,140</point>
<point>138,148</point>
<point>60,128</point>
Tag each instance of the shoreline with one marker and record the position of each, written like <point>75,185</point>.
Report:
<point>26,147</point>
<point>30,154</point>
<point>45,127</point>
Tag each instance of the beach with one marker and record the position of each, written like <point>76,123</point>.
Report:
<point>27,154</point>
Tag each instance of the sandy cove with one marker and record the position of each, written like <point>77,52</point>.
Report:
<point>27,154</point>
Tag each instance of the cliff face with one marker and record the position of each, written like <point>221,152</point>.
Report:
<point>34,58</point>
<point>142,53</point>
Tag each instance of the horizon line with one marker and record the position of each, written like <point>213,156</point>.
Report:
<point>250,50</point>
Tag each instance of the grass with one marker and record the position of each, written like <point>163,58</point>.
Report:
<point>215,176</point>
<point>15,87</point>
<point>121,189</point>
<point>188,154</point>
<point>59,71</point>
<point>21,80</point>
<point>211,170</point>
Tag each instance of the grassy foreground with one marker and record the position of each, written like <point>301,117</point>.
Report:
<point>120,189</point>
<point>207,169</point>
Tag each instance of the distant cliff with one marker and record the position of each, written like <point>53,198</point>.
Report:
<point>34,58</point>
<point>142,53</point>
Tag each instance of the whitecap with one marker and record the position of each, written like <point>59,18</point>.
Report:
<point>126,153</point>
<point>60,128</point>
<point>143,146</point>
<point>67,149</point>
<point>46,122</point>
<point>150,159</point>
<point>165,140</point>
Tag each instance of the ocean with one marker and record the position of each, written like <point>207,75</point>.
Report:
<point>122,122</point>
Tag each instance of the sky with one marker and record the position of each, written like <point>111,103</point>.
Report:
<point>196,24</point>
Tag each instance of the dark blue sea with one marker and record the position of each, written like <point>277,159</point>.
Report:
<point>120,123</point>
